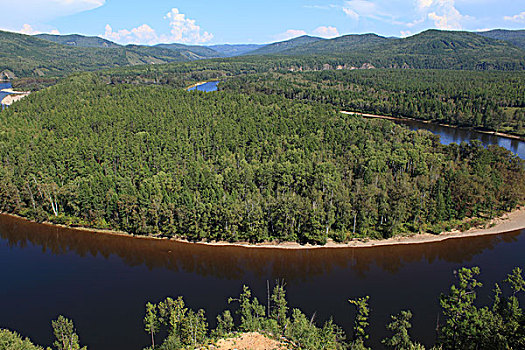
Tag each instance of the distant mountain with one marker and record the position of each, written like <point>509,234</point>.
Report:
<point>515,37</point>
<point>23,55</point>
<point>193,52</point>
<point>449,49</point>
<point>429,49</point>
<point>279,47</point>
<point>79,40</point>
<point>343,44</point>
<point>235,50</point>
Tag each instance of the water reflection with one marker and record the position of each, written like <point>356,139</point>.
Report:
<point>458,135</point>
<point>236,262</point>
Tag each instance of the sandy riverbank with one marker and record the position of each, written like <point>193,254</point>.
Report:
<point>375,116</point>
<point>508,222</point>
<point>10,99</point>
<point>196,84</point>
<point>11,91</point>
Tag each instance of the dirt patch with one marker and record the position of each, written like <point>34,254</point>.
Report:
<point>249,341</point>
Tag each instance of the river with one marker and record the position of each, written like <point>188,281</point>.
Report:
<point>449,135</point>
<point>4,94</point>
<point>103,281</point>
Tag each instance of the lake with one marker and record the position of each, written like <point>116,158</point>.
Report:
<point>209,86</point>
<point>103,281</point>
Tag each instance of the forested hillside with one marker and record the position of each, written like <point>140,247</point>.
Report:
<point>278,47</point>
<point>230,50</point>
<point>344,44</point>
<point>237,167</point>
<point>432,49</point>
<point>515,37</point>
<point>25,55</point>
<point>79,40</point>
<point>485,100</point>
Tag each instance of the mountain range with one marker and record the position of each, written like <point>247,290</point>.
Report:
<point>55,55</point>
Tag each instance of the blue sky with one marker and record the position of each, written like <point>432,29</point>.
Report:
<point>234,21</point>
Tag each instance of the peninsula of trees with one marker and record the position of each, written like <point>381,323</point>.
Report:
<point>231,166</point>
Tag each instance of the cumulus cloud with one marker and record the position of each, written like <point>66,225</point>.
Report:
<point>183,30</point>
<point>289,34</point>
<point>520,18</point>
<point>327,32</point>
<point>142,34</point>
<point>443,13</point>
<point>29,30</point>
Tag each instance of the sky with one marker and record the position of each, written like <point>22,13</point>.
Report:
<point>206,22</point>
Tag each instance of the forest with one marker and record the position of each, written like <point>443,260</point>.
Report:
<point>252,167</point>
<point>466,323</point>
<point>484,100</point>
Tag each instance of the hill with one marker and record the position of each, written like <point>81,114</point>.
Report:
<point>279,47</point>
<point>515,37</point>
<point>343,44</point>
<point>228,50</point>
<point>451,49</point>
<point>23,55</point>
<point>79,40</point>
<point>192,52</point>
<point>431,49</point>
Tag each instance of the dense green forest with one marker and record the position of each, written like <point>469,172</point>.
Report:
<point>465,324</point>
<point>514,37</point>
<point>79,40</point>
<point>485,100</point>
<point>237,167</point>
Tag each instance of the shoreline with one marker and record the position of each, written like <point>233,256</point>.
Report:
<point>406,119</point>
<point>13,92</point>
<point>508,222</point>
<point>13,96</point>
<point>199,84</point>
<point>196,84</point>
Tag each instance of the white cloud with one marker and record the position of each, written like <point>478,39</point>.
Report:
<point>327,32</point>
<point>356,9</point>
<point>424,3</point>
<point>29,30</point>
<point>415,22</point>
<point>289,34</point>
<point>351,13</point>
<point>183,30</point>
<point>520,18</point>
<point>405,33</point>
<point>443,13</point>
<point>16,14</point>
<point>446,15</point>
